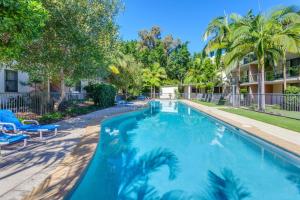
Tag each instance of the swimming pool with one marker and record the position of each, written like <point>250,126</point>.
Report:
<point>172,151</point>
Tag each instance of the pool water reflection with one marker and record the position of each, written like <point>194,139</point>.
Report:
<point>171,151</point>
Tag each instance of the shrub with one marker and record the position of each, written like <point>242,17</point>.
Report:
<point>292,90</point>
<point>51,117</point>
<point>291,100</point>
<point>243,91</point>
<point>103,95</point>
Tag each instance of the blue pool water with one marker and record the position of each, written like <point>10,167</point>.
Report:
<point>171,151</point>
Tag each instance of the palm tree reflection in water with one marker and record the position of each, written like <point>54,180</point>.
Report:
<point>125,175</point>
<point>129,175</point>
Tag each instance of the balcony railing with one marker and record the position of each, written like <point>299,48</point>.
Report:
<point>272,75</point>
<point>249,78</point>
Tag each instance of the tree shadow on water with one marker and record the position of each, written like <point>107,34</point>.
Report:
<point>125,174</point>
<point>225,187</point>
<point>295,179</point>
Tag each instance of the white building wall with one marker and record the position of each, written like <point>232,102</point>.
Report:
<point>2,81</point>
<point>168,92</point>
<point>23,79</point>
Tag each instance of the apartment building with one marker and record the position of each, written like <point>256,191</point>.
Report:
<point>246,75</point>
<point>13,81</point>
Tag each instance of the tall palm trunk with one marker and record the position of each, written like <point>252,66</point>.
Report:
<point>261,86</point>
<point>284,72</point>
<point>151,94</point>
<point>238,85</point>
<point>154,92</point>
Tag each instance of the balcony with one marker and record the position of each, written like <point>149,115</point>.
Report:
<point>249,78</point>
<point>292,72</point>
<point>273,75</point>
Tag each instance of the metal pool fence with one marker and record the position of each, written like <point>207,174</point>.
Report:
<point>287,105</point>
<point>35,103</point>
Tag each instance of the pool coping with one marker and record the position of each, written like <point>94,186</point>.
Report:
<point>65,177</point>
<point>253,131</point>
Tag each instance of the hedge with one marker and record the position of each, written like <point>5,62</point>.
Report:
<point>102,94</point>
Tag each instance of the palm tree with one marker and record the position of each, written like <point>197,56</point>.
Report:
<point>287,21</point>
<point>153,77</point>
<point>219,37</point>
<point>125,73</point>
<point>255,34</point>
<point>194,75</point>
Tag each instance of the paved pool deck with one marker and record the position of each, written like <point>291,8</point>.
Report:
<point>49,171</point>
<point>284,138</point>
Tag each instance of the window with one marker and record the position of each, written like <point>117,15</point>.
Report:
<point>11,81</point>
<point>78,86</point>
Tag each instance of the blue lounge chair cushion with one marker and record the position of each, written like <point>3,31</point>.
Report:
<point>8,116</point>
<point>35,128</point>
<point>10,139</point>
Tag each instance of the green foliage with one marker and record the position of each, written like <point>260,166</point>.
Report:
<point>69,109</point>
<point>126,74</point>
<point>203,73</point>
<point>244,91</point>
<point>178,63</point>
<point>77,43</point>
<point>21,22</point>
<point>292,90</point>
<point>103,95</point>
<point>266,35</point>
<point>291,100</point>
<point>153,76</point>
<point>51,117</point>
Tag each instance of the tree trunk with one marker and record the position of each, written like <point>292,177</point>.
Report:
<point>62,90</point>
<point>151,92</point>
<point>154,92</point>
<point>261,86</point>
<point>284,73</point>
<point>48,89</point>
<point>238,79</point>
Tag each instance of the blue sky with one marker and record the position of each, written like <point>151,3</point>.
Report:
<point>184,19</point>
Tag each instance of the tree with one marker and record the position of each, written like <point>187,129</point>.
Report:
<point>126,74</point>
<point>287,22</point>
<point>219,35</point>
<point>255,34</point>
<point>21,22</point>
<point>203,73</point>
<point>178,63</point>
<point>77,41</point>
<point>155,49</point>
<point>153,77</point>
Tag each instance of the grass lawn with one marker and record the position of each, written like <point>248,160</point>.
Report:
<point>209,104</point>
<point>291,124</point>
<point>285,113</point>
